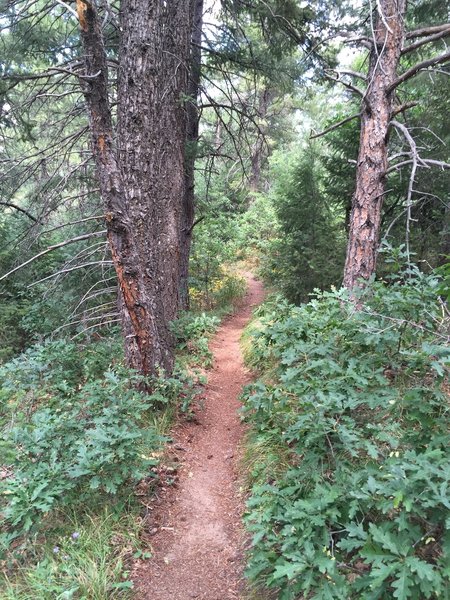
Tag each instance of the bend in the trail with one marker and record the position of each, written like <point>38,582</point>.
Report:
<point>197,536</point>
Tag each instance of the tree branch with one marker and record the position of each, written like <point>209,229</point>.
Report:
<point>428,162</point>
<point>399,216</point>
<point>20,209</point>
<point>196,222</point>
<point>79,238</point>
<point>424,31</point>
<point>415,161</point>
<point>68,224</point>
<point>436,60</point>
<point>432,38</point>
<point>335,126</point>
<point>400,109</point>
<point>363,40</point>
<point>352,74</point>
<point>351,87</point>
<point>70,269</point>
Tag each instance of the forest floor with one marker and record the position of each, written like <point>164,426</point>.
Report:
<point>196,533</point>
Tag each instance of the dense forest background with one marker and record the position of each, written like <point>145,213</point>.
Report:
<point>151,153</point>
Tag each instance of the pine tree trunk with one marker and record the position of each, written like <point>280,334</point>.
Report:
<point>191,151</point>
<point>259,154</point>
<point>372,159</point>
<point>151,134</point>
<point>141,171</point>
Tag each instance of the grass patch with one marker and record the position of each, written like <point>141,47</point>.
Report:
<point>85,558</point>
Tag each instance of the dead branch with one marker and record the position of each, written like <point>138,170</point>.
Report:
<point>424,31</point>
<point>349,86</point>
<point>195,223</point>
<point>400,109</point>
<point>355,74</point>
<point>95,218</point>
<point>335,126</point>
<point>88,296</point>
<point>399,216</point>
<point>95,327</point>
<point>415,160</point>
<point>436,60</point>
<point>349,38</point>
<point>79,238</point>
<point>432,38</point>
<point>70,269</point>
<point>20,209</point>
<point>67,7</point>
<point>366,310</point>
<point>428,162</point>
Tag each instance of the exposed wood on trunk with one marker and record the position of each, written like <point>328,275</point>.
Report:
<point>372,159</point>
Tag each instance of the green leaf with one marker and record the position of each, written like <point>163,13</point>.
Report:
<point>402,584</point>
<point>123,585</point>
<point>384,537</point>
<point>289,570</point>
<point>423,569</point>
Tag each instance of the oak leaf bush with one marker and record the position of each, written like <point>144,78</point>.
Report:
<point>357,399</point>
<point>74,429</point>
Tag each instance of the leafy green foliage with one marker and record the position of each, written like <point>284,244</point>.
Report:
<point>444,288</point>
<point>192,333</point>
<point>358,401</point>
<point>73,426</point>
<point>211,284</point>
<point>258,227</point>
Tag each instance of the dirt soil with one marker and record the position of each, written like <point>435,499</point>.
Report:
<point>195,531</point>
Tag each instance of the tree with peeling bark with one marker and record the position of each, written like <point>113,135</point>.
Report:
<point>380,104</point>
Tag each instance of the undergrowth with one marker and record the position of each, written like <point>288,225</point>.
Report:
<point>80,441</point>
<point>349,445</point>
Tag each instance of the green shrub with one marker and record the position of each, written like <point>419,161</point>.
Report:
<point>192,333</point>
<point>307,246</point>
<point>258,227</point>
<point>93,440</point>
<point>58,365</point>
<point>444,288</point>
<point>74,427</point>
<point>358,401</point>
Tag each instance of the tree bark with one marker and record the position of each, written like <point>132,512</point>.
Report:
<point>151,134</point>
<point>141,171</point>
<point>445,237</point>
<point>368,198</point>
<point>191,151</point>
<point>259,154</point>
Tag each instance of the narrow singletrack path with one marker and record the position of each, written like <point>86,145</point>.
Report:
<point>197,539</point>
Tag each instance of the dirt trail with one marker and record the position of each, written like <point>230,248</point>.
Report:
<point>197,548</point>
